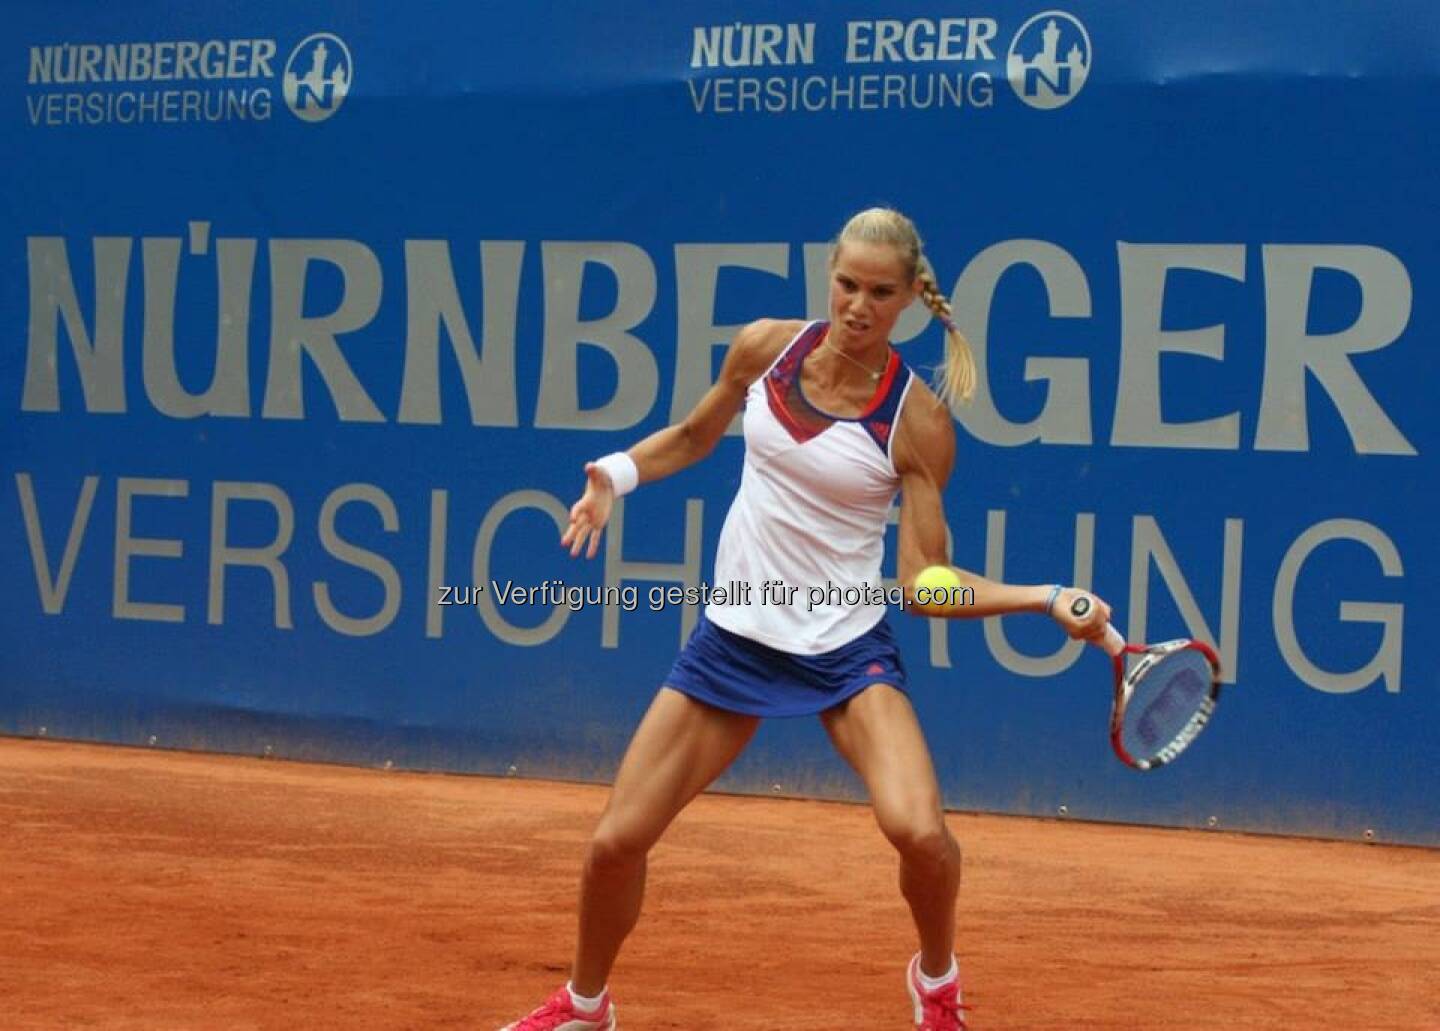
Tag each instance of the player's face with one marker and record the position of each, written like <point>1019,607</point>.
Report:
<point>868,291</point>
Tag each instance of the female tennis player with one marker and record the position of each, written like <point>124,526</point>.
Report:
<point>835,424</point>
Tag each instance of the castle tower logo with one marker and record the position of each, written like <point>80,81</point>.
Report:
<point>1049,60</point>
<point>317,77</point>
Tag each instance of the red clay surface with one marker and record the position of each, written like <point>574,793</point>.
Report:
<point>161,890</point>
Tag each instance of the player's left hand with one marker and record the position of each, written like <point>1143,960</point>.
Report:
<point>589,515</point>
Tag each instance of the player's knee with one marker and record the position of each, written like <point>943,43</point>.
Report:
<point>615,848</point>
<point>923,840</point>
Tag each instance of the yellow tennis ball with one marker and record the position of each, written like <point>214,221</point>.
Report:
<point>938,588</point>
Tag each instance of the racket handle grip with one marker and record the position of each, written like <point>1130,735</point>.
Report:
<point>1113,642</point>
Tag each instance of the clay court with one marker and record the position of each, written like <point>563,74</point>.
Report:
<point>148,889</point>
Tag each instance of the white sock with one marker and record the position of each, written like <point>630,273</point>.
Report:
<point>931,983</point>
<point>581,1003</point>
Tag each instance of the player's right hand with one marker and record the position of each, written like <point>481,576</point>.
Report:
<point>589,515</point>
<point>1087,627</point>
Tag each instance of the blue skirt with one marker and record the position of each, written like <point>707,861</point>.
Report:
<point>740,675</point>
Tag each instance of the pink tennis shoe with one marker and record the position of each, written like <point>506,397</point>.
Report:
<point>559,1014</point>
<point>938,1010</point>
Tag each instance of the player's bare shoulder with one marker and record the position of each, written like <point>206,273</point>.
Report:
<point>925,438</point>
<point>756,346</point>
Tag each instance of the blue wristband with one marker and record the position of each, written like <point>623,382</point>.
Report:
<point>1050,602</point>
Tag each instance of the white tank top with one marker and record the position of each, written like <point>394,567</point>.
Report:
<point>814,501</point>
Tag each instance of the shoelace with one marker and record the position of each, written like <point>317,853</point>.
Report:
<point>558,1005</point>
<point>943,1012</point>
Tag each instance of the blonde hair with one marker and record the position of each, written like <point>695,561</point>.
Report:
<point>954,380</point>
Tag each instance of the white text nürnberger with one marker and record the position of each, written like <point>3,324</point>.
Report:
<point>68,63</point>
<point>877,41</point>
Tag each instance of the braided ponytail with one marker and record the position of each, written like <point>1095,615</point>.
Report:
<point>955,376</point>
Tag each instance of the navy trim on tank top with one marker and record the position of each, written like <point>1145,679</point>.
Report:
<point>878,419</point>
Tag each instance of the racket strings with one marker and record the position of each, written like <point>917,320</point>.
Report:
<point>1166,701</point>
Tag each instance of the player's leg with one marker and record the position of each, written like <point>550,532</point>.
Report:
<point>679,748</point>
<point>877,733</point>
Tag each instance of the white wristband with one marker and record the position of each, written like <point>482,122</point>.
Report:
<point>620,467</point>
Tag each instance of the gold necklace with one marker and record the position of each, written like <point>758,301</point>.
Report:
<point>874,376</point>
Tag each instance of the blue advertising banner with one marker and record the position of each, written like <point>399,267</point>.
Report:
<point>312,314</point>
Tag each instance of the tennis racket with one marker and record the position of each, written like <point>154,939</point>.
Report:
<point>1164,701</point>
